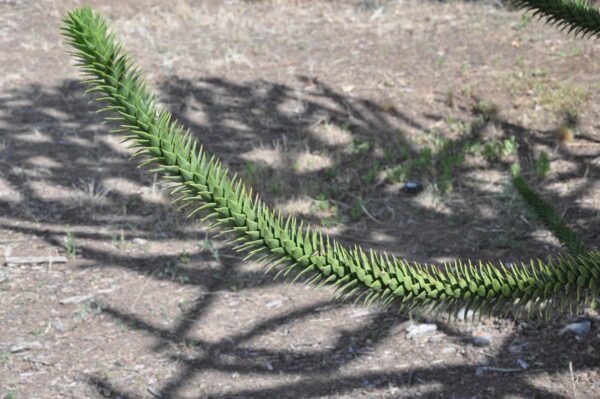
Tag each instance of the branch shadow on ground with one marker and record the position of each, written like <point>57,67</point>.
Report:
<point>51,138</point>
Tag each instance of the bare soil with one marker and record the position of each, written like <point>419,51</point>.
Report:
<point>310,102</point>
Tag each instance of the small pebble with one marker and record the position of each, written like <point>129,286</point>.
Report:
<point>228,359</point>
<point>579,329</point>
<point>108,290</point>
<point>58,325</point>
<point>517,347</point>
<point>419,330</point>
<point>412,187</point>
<point>523,364</point>
<point>140,241</point>
<point>484,340</point>
<point>28,374</point>
<point>154,392</point>
<point>448,349</point>
<point>273,304</point>
<point>41,360</point>
<point>75,299</point>
<point>25,346</point>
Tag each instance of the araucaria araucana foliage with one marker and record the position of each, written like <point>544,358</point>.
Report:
<point>204,187</point>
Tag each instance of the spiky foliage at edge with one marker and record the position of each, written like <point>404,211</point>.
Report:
<point>576,16</point>
<point>203,186</point>
<point>551,219</point>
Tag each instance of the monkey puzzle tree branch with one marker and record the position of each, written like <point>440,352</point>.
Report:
<point>203,186</point>
<point>577,16</point>
<point>551,219</point>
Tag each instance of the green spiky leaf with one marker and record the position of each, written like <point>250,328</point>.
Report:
<point>576,16</point>
<point>204,188</point>
<point>551,219</point>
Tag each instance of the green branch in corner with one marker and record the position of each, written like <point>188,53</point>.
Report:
<point>203,187</point>
<point>576,16</point>
<point>551,219</point>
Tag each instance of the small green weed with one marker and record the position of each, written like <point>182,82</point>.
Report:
<point>400,172</point>
<point>236,283</point>
<point>468,89</point>
<point>329,213</point>
<point>276,187</point>
<point>190,343</point>
<point>391,154</point>
<point>37,331</point>
<point>525,20</point>
<point>356,211</point>
<point>170,272</point>
<point>323,204</point>
<point>359,147</point>
<point>369,177</point>
<point>331,221</point>
<point>440,60</point>
<point>520,60</point>
<point>495,149</point>
<point>572,53</point>
<point>423,162</point>
<point>439,161</point>
<point>184,257</point>
<point>335,192</point>
<point>208,245</point>
<point>70,247</point>
<point>251,172</point>
<point>87,310</point>
<point>449,100</point>
<point>4,358</point>
<point>330,173</point>
<point>546,94</point>
<point>541,165</point>
<point>486,109</point>
<point>132,202</point>
<point>515,169</point>
<point>450,155</point>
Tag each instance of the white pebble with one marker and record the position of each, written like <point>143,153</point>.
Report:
<point>418,330</point>
<point>580,328</point>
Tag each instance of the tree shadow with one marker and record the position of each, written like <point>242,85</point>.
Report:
<point>51,139</point>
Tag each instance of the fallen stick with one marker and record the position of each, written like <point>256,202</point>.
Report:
<point>21,260</point>
<point>3,242</point>
<point>483,369</point>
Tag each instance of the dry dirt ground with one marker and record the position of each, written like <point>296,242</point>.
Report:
<point>320,106</point>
